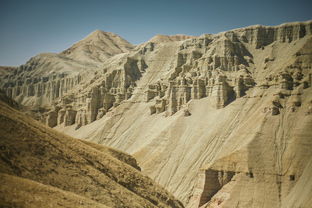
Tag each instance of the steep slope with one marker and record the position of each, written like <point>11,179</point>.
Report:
<point>220,120</point>
<point>242,95</point>
<point>4,98</point>
<point>33,194</point>
<point>41,167</point>
<point>98,46</point>
<point>169,38</point>
<point>5,70</point>
<point>49,76</point>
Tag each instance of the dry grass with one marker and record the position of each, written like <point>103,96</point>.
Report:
<point>48,164</point>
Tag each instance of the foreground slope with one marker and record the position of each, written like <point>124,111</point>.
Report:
<point>42,168</point>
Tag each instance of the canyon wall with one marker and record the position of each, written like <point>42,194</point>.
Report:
<point>220,120</point>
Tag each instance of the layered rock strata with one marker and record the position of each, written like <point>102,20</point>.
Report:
<point>182,104</point>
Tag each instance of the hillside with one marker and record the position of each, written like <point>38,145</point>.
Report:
<point>49,76</point>
<point>98,46</point>
<point>4,70</point>
<point>40,167</point>
<point>220,120</point>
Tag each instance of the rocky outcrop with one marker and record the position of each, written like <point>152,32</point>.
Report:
<point>209,182</point>
<point>207,66</point>
<point>6,70</point>
<point>99,96</point>
<point>46,88</point>
<point>218,96</point>
<point>181,104</point>
<point>188,83</point>
<point>261,36</point>
<point>47,77</point>
<point>221,93</point>
<point>169,38</point>
<point>217,67</point>
<point>51,119</point>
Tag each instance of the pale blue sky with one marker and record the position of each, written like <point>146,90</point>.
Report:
<point>29,27</point>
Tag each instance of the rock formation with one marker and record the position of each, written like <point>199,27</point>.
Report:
<point>40,167</point>
<point>209,117</point>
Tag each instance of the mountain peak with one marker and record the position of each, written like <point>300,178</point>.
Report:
<point>98,46</point>
<point>97,33</point>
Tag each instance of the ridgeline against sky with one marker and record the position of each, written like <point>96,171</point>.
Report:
<point>35,26</point>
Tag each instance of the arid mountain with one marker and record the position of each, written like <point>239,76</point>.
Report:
<point>49,76</point>
<point>220,120</point>
<point>40,167</point>
<point>97,47</point>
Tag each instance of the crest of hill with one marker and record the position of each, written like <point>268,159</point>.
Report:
<point>257,26</point>
<point>98,46</point>
<point>54,170</point>
<point>169,38</point>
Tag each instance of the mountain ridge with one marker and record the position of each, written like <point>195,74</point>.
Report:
<point>98,45</point>
<point>206,117</point>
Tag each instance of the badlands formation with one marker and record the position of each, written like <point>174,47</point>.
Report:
<point>221,120</point>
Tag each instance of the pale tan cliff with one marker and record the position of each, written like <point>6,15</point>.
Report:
<point>220,120</point>
<point>49,76</point>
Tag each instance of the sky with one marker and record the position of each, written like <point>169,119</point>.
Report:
<point>30,27</point>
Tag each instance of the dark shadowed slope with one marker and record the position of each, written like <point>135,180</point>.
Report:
<point>42,168</point>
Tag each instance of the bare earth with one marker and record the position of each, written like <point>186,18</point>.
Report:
<point>220,120</point>
<point>40,167</point>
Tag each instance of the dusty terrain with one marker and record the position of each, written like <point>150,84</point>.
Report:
<point>220,120</point>
<point>40,167</point>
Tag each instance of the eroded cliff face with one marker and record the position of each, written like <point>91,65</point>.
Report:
<point>260,162</point>
<point>220,120</point>
<point>74,87</point>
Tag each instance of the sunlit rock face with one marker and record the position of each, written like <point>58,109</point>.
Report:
<point>220,120</point>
